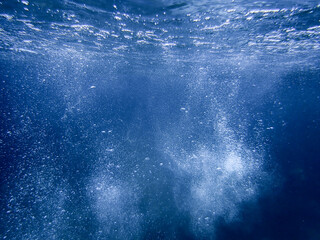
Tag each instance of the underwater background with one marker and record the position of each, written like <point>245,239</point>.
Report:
<point>137,119</point>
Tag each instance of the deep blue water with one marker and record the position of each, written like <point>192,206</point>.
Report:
<point>160,119</point>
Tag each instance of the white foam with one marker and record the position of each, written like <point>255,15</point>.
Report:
<point>221,179</point>
<point>233,163</point>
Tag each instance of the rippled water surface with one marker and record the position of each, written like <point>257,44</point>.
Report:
<point>136,119</point>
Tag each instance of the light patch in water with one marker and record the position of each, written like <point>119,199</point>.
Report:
<point>220,177</point>
<point>25,2</point>
<point>115,206</point>
<point>7,16</point>
<point>233,163</point>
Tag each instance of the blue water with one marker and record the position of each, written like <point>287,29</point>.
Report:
<point>136,119</point>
